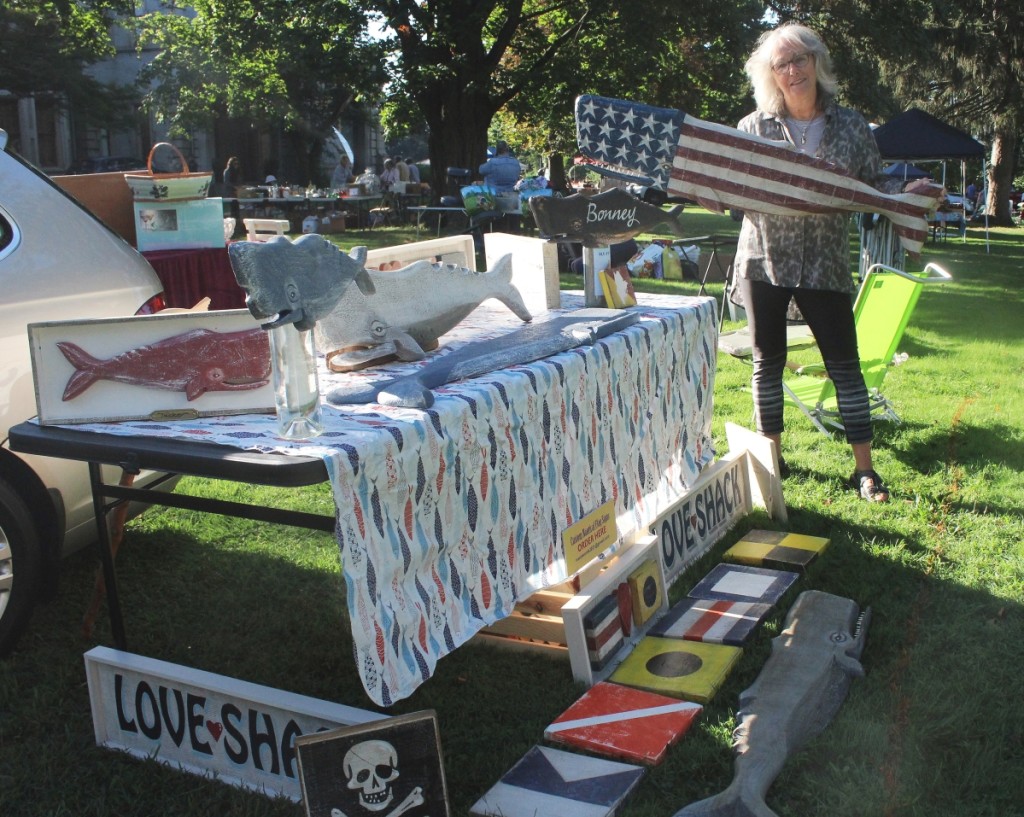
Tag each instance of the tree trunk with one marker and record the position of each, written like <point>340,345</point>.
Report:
<point>557,180</point>
<point>1000,178</point>
<point>457,123</point>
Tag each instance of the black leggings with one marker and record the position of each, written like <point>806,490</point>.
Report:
<point>829,316</point>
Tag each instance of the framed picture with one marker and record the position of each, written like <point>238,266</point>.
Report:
<point>391,767</point>
<point>173,365</point>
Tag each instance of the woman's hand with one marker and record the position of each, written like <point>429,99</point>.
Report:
<point>926,187</point>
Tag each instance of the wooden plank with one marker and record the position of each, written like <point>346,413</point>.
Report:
<point>195,721</point>
<point>537,627</point>
<point>534,268</point>
<point>456,249</point>
<point>615,572</point>
<point>549,602</point>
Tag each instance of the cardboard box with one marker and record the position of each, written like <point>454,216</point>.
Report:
<point>106,196</point>
<point>179,225</point>
<point>332,223</point>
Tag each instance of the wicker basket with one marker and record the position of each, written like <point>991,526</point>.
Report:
<point>179,186</point>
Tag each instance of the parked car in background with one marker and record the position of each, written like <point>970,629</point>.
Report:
<point>956,200</point>
<point>57,262</point>
<point>106,164</point>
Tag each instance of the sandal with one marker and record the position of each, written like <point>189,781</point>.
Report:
<point>870,486</point>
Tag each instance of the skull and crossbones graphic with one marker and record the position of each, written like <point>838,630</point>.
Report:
<point>371,769</point>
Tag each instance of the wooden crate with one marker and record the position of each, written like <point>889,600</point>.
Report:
<point>553,619</point>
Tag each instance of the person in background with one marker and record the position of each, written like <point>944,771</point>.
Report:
<point>402,168</point>
<point>369,182</point>
<point>230,180</point>
<point>232,177</point>
<point>342,175</point>
<point>503,170</point>
<point>972,191</point>
<point>389,175</point>
<point>414,171</point>
<point>806,258</point>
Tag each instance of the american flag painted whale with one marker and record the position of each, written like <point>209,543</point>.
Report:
<point>723,167</point>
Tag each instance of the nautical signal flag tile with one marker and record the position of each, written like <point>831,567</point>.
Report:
<point>711,621</point>
<point>551,783</point>
<point>776,549</point>
<point>743,583</point>
<point>602,628</point>
<point>624,722</point>
<point>645,591</point>
<point>682,669</point>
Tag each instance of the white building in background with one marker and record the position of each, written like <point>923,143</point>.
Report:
<point>45,132</point>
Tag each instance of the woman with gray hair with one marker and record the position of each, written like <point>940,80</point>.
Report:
<point>806,258</point>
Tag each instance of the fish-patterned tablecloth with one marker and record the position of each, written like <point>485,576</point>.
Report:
<point>448,516</point>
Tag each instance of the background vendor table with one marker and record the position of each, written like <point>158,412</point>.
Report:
<point>188,276</point>
<point>449,516</point>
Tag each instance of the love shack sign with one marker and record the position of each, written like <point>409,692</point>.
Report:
<point>240,733</point>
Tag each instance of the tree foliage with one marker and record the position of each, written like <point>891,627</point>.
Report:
<point>462,63</point>
<point>961,60</point>
<point>649,52</point>
<point>46,47</point>
<point>294,63</point>
<point>459,62</point>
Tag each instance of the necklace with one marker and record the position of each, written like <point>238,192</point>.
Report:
<point>795,125</point>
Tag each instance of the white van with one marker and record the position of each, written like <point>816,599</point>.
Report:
<point>57,261</point>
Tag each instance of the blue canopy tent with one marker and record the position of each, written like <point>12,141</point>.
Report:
<point>916,136</point>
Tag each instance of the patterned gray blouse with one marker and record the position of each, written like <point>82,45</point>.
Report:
<point>810,251</point>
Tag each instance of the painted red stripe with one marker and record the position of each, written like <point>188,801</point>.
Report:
<point>757,146</point>
<point>708,620</point>
<point>597,640</point>
<point>745,195</point>
<point>826,182</point>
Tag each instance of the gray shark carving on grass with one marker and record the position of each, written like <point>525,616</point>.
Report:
<point>408,311</point>
<point>799,691</point>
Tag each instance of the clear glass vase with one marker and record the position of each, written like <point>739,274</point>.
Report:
<point>296,388</point>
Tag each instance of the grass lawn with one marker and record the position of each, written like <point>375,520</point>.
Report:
<point>932,730</point>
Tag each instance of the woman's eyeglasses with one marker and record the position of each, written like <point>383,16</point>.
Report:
<point>799,62</point>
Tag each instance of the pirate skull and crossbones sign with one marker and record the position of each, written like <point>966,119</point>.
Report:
<point>371,769</point>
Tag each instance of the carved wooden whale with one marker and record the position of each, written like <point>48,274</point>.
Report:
<point>799,691</point>
<point>597,221</point>
<point>194,362</point>
<point>408,311</point>
<point>539,340</point>
<point>295,281</point>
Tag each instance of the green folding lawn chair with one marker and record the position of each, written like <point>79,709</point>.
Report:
<point>885,302</point>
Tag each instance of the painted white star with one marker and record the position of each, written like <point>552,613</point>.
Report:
<point>644,141</point>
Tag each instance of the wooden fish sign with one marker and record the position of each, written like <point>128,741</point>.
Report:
<point>610,217</point>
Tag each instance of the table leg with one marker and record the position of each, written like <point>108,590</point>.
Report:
<point>106,557</point>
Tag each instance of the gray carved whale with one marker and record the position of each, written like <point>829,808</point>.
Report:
<point>408,310</point>
<point>539,340</point>
<point>799,691</point>
<point>295,281</point>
